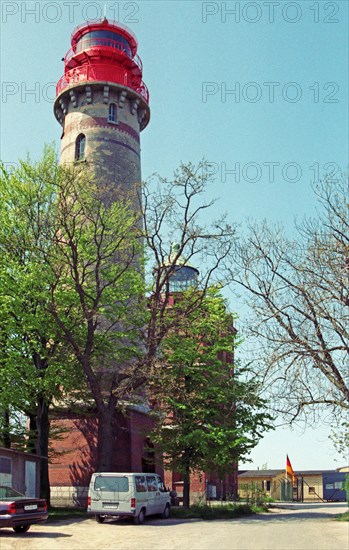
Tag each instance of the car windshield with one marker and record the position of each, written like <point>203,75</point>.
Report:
<point>8,492</point>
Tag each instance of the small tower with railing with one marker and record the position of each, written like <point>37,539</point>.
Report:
<point>183,275</point>
<point>102,104</point>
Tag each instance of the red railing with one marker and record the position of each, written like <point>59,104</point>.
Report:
<point>102,72</point>
<point>89,43</point>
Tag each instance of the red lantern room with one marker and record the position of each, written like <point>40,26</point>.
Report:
<point>102,104</point>
<point>103,51</point>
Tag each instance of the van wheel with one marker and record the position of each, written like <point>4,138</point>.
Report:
<point>21,528</point>
<point>166,512</point>
<point>140,518</point>
<point>99,518</point>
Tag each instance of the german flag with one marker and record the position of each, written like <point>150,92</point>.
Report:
<point>289,469</point>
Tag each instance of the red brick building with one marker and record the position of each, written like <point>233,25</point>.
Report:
<point>75,458</point>
<point>75,452</point>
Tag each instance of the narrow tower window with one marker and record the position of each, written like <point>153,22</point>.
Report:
<point>80,147</point>
<point>112,113</point>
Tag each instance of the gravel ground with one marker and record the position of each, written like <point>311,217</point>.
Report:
<point>298,527</point>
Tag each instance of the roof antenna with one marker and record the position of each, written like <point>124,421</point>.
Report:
<point>105,20</point>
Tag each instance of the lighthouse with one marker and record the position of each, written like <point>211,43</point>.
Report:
<point>102,105</point>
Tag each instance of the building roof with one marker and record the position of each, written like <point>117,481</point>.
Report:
<point>180,261</point>
<point>274,473</point>
<point>257,473</point>
<point>6,450</point>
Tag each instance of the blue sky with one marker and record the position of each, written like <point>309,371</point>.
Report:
<point>282,129</point>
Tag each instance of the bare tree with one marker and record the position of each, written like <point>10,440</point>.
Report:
<point>297,289</point>
<point>176,211</point>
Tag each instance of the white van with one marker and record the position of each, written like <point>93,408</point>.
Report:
<point>137,495</point>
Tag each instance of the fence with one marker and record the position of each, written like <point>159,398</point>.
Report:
<point>69,496</point>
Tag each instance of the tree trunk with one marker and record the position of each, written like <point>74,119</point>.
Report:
<point>33,433</point>
<point>42,446</point>
<point>186,487</point>
<point>6,436</point>
<point>106,439</point>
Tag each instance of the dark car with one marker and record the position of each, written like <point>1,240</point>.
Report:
<point>20,512</point>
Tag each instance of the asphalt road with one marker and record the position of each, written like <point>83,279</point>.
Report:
<point>299,527</point>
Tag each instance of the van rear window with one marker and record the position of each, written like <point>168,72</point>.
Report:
<point>112,483</point>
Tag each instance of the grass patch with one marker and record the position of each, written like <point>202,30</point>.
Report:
<point>199,511</point>
<point>343,517</point>
<point>227,511</point>
<point>57,513</point>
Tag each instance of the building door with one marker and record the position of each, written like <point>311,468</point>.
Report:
<point>148,457</point>
<point>5,471</point>
<point>30,478</point>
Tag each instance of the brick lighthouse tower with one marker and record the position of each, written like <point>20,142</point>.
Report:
<point>103,104</point>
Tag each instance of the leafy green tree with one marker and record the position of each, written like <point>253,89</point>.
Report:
<point>209,412</point>
<point>112,330</point>
<point>346,487</point>
<point>97,295</point>
<point>72,297</point>
<point>75,318</point>
<point>34,363</point>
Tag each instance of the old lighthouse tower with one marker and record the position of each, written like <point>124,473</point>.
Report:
<point>102,105</point>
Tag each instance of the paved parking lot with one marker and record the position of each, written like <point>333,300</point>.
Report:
<point>300,527</point>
